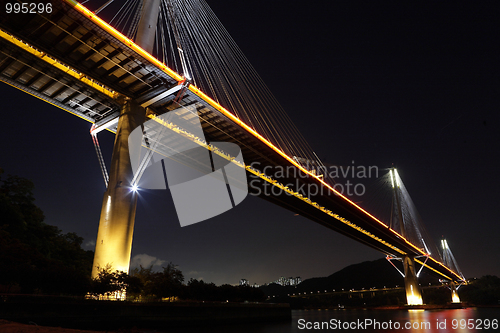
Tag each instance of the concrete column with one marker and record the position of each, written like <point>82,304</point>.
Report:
<point>413,294</point>
<point>454,293</point>
<point>146,30</point>
<point>116,225</point>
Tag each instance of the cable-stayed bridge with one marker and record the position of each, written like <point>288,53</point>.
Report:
<point>66,55</point>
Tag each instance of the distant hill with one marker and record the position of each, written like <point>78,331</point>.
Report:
<point>369,274</point>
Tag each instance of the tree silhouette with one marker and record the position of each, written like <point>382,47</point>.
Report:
<point>36,257</point>
<point>158,285</point>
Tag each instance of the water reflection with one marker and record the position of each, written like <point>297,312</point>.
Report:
<point>442,321</point>
<point>411,321</point>
<point>457,320</point>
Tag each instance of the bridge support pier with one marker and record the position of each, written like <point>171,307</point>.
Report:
<point>116,225</point>
<point>413,293</point>
<point>454,293</point>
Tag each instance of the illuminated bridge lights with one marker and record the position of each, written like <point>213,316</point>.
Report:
<point>239,122</point>
<point>59,65</point>
<point>96,19</point>
<point>414,299</point>
<point>434,270</point>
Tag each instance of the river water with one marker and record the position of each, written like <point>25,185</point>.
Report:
<point>439,321</point>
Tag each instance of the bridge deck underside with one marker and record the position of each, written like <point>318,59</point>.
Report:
<point>65,42</point>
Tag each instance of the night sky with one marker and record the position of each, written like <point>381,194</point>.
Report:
<point>414,84</point>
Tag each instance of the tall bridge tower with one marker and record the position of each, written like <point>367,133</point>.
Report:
<point>413,293</point>
<point>116,224</point>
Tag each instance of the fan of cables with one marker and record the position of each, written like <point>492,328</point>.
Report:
<point>449,258</point>
<point>406,220</point>
<point>191,40</point>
